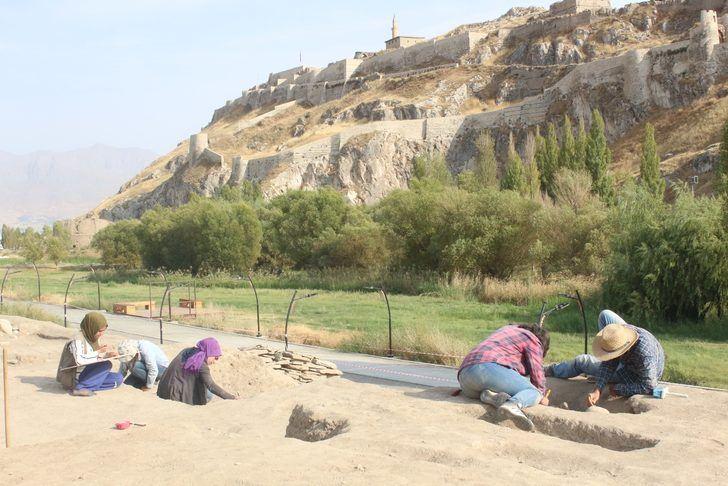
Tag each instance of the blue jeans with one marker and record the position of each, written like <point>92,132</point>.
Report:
<point>98,376</point>
<point>492,376</point>
<point>140,371</point>
<point>586,363</point>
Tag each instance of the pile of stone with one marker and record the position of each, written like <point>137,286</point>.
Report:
<point>300,367</point>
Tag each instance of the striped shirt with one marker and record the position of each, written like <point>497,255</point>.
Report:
<point>642,367</point>
<point>515,348</point>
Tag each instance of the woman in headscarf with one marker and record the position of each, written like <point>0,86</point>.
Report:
<point>188,377</point>
<point>80,369</point>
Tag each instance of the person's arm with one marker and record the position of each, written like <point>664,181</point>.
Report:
<point>534,360</point>
<point>606,370</point>
<point>210,384</point>
<point>83,353</point>
<point>150,361</point>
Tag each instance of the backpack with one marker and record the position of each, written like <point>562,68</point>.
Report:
<point>67,377</point>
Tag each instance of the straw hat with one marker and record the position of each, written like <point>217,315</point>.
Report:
<point>613,341</point>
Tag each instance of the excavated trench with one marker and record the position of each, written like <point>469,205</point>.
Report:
<point>576,427</point>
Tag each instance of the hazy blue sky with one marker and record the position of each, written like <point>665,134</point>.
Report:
<point>147,73</point>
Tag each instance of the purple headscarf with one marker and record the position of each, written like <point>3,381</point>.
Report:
<point>207,347</point>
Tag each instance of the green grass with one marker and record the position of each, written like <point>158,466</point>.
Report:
<point>423,326</point>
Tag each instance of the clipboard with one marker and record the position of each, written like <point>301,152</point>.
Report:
<point>99,361</point>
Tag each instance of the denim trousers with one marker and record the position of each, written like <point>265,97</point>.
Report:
<point>98,376</point>
<point>492,376</point>
<point>586,363</point>
<point>140,371</point>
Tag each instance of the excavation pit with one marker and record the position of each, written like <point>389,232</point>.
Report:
<point>571,395</point>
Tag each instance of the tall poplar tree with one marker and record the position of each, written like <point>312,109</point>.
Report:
<point>650,164</point>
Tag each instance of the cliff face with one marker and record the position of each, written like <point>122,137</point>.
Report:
<point>641,63</point>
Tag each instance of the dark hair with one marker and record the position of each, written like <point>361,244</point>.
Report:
<point>541,333</point>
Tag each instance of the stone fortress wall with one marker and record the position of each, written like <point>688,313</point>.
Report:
<point>566,7</point>
<point>314,85</point>
<point>632,71</point>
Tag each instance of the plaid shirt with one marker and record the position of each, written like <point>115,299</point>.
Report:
<point>512,347</point>
<point>642,367</point>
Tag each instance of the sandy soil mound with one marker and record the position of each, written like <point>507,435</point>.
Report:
<point>244,374</point>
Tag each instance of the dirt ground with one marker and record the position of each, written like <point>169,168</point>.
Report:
<point>342,431</point>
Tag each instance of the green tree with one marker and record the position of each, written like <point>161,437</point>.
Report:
<point>215,236</point>
<point>298,224</point>
<point>486,165</point>
<point>431,168</point>
<point>568,156</point>
<point>10,238</point>
<point>533,177</point>
<point>599,158</point>
<point>547,158</point>
<point>119,244</point>
<point>668,261</point>
<point>723,174</point>
<point>582,141</point>
<point>247,192</point>
<point>514,178</point>
<point>31,246</point>
<point>650,164</point>
<point>56,249</point>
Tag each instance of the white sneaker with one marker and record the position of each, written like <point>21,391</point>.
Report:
<point>512,411</point>
<point>492,398</point>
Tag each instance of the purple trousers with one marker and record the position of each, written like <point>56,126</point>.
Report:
<point>98,376</point>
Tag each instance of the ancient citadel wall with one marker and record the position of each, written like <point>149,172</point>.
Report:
<point>321,85</point>
<point>566,7</point>
<point>553,25</point>
<point>632,71</point>
<point>695,5</point>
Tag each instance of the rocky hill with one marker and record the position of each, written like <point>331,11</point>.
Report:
<point>356,124</point>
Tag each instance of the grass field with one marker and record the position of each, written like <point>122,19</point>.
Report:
<point>427,328</point>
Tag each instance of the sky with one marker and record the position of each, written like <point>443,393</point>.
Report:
<point>148,73</point>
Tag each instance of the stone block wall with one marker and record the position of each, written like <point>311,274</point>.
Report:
<point>553,25</point>
<point>566,7</point>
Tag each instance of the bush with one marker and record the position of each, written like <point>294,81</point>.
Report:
<point>202,236</point>
<point>573,234</point>
<point>448,229</point>
<point>668,262</point>
<point>298,224</point>
<point>119,244</point>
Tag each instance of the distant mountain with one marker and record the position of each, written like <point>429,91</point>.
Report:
<point>44,186</point>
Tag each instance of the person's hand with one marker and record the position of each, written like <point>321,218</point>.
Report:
<point>593,397</point>
<point>545,401</point>
<point>112,354</point>
<point>612,391</point>
<point>103,348</point>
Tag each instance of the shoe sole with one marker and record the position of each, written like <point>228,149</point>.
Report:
<point>494,399</point>
<point>521,421</point>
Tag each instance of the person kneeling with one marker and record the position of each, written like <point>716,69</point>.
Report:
<point>81,369</point>
<point>495,371</point>
<point>144,360</point>
<point>188,378</point>
<point>632,362</point>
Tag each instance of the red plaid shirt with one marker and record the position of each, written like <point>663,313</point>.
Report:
<point>512,347</point>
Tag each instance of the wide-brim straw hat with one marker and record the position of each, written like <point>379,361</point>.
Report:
<point>613,341</point>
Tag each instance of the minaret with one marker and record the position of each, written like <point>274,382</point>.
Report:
<point>395,27</point>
